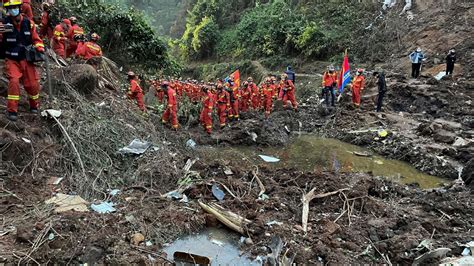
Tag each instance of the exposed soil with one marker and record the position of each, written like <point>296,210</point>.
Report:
<point>430,125</point>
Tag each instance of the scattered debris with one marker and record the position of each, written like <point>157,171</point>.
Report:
<point>114,192</point>
<point>55,180</point>
<point>228,172</point>
<point>274,223</point>
<point>191,258</point>
<point>382,133</point>
<point>440,75</point>
<point>136,239</point>
<point>66,203</point>
<point>191,144</point>
<point>148,243</point>
<point>269,159</point>
<point>136,147</point>
<point>217,242</point>
<point>438,253</point>
<point>51,236</point>
<point>362,154</point>
<point>460,142</point>
<point>104,207</point>
<point>176,195</point>
<point>26,140</point>
<point>230,219</point>
<point>217,192</point>
<point>308,198</point>
<point>51,113</point>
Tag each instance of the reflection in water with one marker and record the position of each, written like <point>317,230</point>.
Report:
<point>220,245</point>
<point>311,153</point>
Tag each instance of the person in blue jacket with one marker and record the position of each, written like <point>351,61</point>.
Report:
<point>416,59</point>
<point>291,74</point>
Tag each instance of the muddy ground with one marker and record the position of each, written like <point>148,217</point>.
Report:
<point>430,125</point>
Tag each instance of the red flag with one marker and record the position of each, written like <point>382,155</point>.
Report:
<point>236,77</point>
<point>345,76</point>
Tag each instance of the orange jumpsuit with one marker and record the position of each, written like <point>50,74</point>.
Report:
<point>358,84</point>
<point>245,100</point>
<point>171,109</point>
<point>135,92</point>
<point>268,92</point>
<point>255,98</point>
<point>88,50</point>
<point>288,91</point>
<point>46,30</point>
<point>234,103</point>
<point>16,67</point>
<point>26,10</point>
<point>223,105</point>
<point>206,113</point>
<point>73,45</point>
<point>59,41</point>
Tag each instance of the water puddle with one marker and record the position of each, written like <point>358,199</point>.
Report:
<point>219,245</point>
<point>311,153</point>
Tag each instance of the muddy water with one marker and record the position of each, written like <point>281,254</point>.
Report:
<point>311,153</point>
<point>220,245</point>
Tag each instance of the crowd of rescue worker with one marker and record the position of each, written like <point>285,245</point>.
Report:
<point>226,97</point>
<point>21,36</point>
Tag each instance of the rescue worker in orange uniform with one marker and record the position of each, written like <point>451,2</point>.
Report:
<point>74,31</point>
<point>268,92</point>
<point>26,10</point>
<point>17,68</point>
<point>170,114</point>
<point>60,40</point>
<point>329,84</point>
<point>246,96</point>
<point>135,92</point>
<point>234,100</point>
<point>223,104</point>
<point>255,96</point>
<point>288,92</point>
<point>89,49</point>
<point>46,29</point>
<point>207,106</point>
<point>357,86</point>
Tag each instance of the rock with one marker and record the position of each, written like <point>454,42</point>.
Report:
<point>448,125</point>
<point>329,227</point>
<point>444,136</point>
<point>81,77</point>
<point>92,255</point>
<point>436,61</point>
<point>136,239</point>
<point>432,81</point>
<point>459,142</point>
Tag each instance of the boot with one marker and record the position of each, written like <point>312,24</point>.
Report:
<point>34,110</point>
<point>12,116</point>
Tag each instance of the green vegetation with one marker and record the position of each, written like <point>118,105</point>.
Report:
<point>253,29</point>
<point>126,36</point>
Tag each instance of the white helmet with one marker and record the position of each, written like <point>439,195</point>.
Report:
<point>418,50</point>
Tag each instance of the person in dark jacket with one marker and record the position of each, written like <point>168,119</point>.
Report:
<point>291,74</point>
<point>450,61</point>
<point>382,86</point>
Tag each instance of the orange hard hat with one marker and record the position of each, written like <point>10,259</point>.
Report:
<point>9,3</point>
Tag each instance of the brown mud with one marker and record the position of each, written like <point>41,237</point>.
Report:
<point>430,125</point>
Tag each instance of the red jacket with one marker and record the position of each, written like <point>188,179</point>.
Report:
<point>358,82</point>
<point>223,97</point>
<point>27,10</point>
<point>59,40</point>
<point>287,84</point>
<point>134,88</point>
<point>88,50</point>
<point>208,101</point>
<point>171,96</point>
<point>329,79</point>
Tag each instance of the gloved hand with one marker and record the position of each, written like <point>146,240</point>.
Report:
<point>209,114</point>
<point>40,49</point>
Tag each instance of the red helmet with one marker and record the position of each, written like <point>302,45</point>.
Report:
<point>67,22</point>
<point>95,36</point>
<point>360,70</point>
